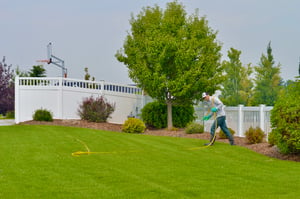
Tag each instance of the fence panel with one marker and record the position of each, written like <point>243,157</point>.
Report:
<point>240,118</point>
<point>62,96</point>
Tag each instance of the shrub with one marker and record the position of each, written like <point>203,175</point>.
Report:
<point>222,135</point>
<point>10,115</point>
<point>154,114</point>
<point>285,120</point>
<point>174,129</point>
<point>42,115</point>
<point>182,115</point>
<point>272,139</point>
<point>95,109</point>
<point>194,128</point>
<point>133,125</point>
<point>254,135</point>
<point>7,87</point>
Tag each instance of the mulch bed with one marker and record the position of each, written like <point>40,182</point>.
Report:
<point>263,148</point>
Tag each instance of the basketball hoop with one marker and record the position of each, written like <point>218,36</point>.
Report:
<point>54,60</point>
<point>44,61</point>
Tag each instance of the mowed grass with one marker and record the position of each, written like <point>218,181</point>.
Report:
<point>36,162</point>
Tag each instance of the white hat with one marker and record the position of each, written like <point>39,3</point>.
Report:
<point>204,95</point>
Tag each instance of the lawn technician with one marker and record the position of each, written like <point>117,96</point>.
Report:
<point>216,107</point>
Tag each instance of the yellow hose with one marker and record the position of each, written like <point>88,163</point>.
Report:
<point>212,141</point>
<point>88,152</point>
<point>78,153</point>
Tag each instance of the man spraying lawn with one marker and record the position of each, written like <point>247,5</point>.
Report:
<point>216,107</point>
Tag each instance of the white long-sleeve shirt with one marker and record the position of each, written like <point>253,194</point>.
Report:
<point>216,102</point>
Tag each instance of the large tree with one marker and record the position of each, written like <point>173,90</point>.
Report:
<point>238,85</point>
<point>171,56</point>
<point>267,81</point>
<point>7,91</point>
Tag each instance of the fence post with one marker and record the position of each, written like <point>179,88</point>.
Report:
<point>240,120</point>
<point>262,117</point>
<point>17,100</point>
<point>102,87</point>
<point>143,99</point>
<point>60,99</point>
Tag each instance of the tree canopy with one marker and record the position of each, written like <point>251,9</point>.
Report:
<point>172,56</point>
<point>237,87</point>
<point>268,80</point>
<point>37,71</point>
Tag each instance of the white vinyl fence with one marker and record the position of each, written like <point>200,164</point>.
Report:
<point>241,118</point>
<point>62,96</point>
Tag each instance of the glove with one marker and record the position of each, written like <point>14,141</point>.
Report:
<point>205,118</point>
<point>214,109</point>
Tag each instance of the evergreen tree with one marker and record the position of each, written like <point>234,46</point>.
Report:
<point>267,81</point>
<point>37,71</point>
<point>237,86</point>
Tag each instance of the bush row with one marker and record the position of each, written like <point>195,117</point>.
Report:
<point>153,114</point>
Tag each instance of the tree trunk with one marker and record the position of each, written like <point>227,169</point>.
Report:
<point>169,109</point>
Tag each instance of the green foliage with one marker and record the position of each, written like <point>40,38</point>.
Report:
<point>154,114</point>
<point>272,138</point>
<point>95,109</point>
<point>10,114</point>
<point>182,115</point>
<point>194,128</point>
<point>171,56</point>
<point>37,71</point>
<point>254,135</point>
<point>222,135</point>
<point>237,87</point>
<point>42,115</point>
<point>285,120</point>
<point>267,81</point>
<point>290,145</point>
<point>87,76</point>
<point>133,125</point>
<point>21,73</point>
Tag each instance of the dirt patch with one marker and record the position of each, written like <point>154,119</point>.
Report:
<point>262,148</point>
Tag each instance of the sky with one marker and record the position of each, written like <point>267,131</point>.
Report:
<point>89,33</point>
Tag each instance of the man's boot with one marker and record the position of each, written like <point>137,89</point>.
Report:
<point>231,140</point>
<point>211,140</point>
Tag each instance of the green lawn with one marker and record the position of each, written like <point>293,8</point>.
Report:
<point>37,162</point>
